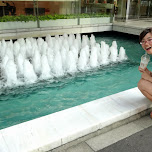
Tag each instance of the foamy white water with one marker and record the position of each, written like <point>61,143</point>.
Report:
<point>29,60</point>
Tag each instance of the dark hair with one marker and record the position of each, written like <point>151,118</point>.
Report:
<point>143,33</point>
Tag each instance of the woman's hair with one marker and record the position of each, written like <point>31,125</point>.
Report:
<point>143,33</point>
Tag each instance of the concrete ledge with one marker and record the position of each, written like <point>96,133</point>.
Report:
<point>59,30</point>
<point>55,130</point>
<point>134,27</point>
<point>127,29</point>
<point>131,27</point>
<point>103,131</point>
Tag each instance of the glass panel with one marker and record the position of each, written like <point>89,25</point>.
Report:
<point>10,10</point>
<point>146,8</point>
<point>140,9</point>
<point>121,10</point>
<point>50,13</point>
<point>143,8</point>
<point>44,12</point>
<point>103,9</point>
<point>150,8</point>
<point>134,9</point>
<point>97,6</point>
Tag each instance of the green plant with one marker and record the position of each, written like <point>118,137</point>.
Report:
<point>27,18</point>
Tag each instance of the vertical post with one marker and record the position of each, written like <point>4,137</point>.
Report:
<point>127,11</point>
<point>86,9</point>
<point>34,6</point>
<point>36,12</point>
<point>139,3</point>
<point>38,22</point>
<point>79,12</point>
<point>3,11</point>
<point>148,13</point>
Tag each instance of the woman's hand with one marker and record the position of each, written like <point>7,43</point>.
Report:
<point>144,70</point>
<point>141,69</point>
<point>145,75</point>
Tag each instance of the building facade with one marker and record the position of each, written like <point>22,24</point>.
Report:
<point>122,10</point>
<point>134,9</point>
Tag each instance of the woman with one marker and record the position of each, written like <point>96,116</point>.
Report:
<point>145,83</point>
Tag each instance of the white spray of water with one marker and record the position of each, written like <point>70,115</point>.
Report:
<point>37,62</point>
<point>19,63</point>
<point>57,68</point>
<point>104,55</point>
<point>122,54</point>
<point>29,60</point>
<point>113,52</point>
<point>29,74</point>
<point>10,73</point>
<point>94,58</point>
<point>46,72</point>
<point>71,66</point>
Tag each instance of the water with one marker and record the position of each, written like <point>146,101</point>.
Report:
<point>24,103</point>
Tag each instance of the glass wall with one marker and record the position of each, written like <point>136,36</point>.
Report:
<point>133,9</point>
<point>15,7</point>
<point>55,7</point>
<point>44,10</point>
<point>44,7</point>
<point>97,6</point>
<point>146,8</point>
<point>10,10</point>
<point>121,9</point>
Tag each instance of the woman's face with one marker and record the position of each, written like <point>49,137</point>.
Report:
<point>147,43</point>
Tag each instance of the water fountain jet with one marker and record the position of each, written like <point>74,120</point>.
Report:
<point>33,59</point>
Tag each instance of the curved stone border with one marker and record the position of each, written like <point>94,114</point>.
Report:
<point>51,131</point>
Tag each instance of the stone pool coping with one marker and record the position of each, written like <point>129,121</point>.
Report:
<point>54,130</point>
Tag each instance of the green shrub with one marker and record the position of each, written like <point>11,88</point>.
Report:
<point>27,18</point>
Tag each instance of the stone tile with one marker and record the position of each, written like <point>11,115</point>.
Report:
<point>133,98</point>
<point>144,122</point>
<point>32,135</point>
<point>82,147</point>
<point>107,111</point>
<point>76,26</point>
<point>113,136</point>
<point>73,123</point>
<point>3,146</point>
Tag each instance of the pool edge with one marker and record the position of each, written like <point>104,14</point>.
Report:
<point>53,131</point>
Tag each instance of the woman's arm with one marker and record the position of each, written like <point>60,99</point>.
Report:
<point>147,75</point>
<point>144,70</point>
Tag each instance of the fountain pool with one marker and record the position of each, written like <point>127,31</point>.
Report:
<point>28,102</point>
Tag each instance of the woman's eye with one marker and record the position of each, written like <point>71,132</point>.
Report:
<point>149,39</point>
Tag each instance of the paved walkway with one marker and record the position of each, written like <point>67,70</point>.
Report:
<point>133,137</point>
<point>132,26</point>
<point>139,142</point>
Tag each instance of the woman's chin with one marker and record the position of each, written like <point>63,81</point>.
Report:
<point>149,51</point>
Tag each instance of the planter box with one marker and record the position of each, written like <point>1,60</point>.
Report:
<point>70,22</point>
<point>50,23</point>
<point>98,20</point>
<point>59,22</point>
<point>17,25</point>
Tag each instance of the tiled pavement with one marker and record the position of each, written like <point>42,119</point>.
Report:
<point>132,137</point>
